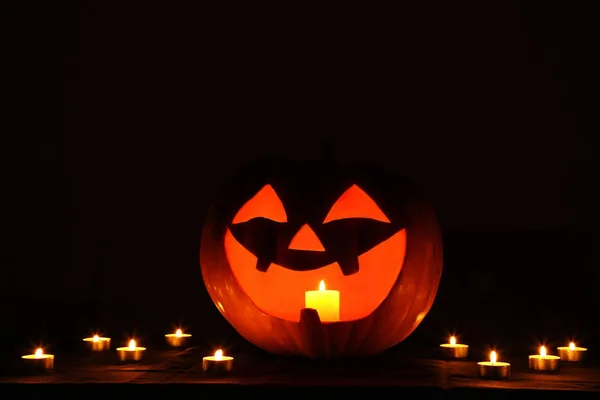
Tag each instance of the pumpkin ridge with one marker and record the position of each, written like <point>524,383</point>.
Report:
<point>435,257</point>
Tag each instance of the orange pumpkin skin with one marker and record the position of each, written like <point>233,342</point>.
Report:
<point>396,205</point>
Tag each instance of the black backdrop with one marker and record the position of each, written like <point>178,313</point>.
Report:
<point>123,119</point>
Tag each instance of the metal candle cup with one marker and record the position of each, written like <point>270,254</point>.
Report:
<point>177,339</point>
<point>571,353</point>
<point>454,350</point>
<point>493,369</point>
<point>217,364</point>
<point>543,362</point>
<point>39,362</point>
<point>97,343</point>
<point>131,353</point>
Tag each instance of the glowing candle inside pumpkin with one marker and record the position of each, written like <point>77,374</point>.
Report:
<point>326,302</point>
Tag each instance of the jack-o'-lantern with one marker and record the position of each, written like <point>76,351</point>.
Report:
<point>280,229</point>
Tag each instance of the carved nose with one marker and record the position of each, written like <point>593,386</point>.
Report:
<point>306,239</point>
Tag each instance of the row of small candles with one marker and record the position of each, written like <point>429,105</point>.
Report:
<point>494,369</point>
<point>219,363</point>
<point>133,353</point>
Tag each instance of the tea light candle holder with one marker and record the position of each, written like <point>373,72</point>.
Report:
<point>97,343</point>
<point>177,339</point>
<point>454,350</point>
<point>217,364</point>
<point>493,369</point>
<point>544,362</point>
<point>571,353</point>
<point>39,362</point>
<point>131,353</point>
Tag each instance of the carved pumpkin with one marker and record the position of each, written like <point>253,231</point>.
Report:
<point>279,228</point>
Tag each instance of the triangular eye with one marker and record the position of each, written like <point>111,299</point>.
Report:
<point>264,204</point>
<point>355,203</point>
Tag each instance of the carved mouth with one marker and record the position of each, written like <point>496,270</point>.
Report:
<point>278,289</point>
<point>302,260</point>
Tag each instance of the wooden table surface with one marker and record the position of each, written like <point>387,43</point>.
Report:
<point>185,367</point>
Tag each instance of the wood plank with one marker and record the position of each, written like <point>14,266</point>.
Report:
<point>250,370</point>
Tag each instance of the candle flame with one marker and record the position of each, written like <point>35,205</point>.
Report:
<point>493,357</point>
<point>178,333</point>
<point>543,351</point>
<point>571,346</point>
<point>452,340</point>
<point>38,353</point>
<point>219,355</point>
<point>96,338</point>
<point>132,344</point>
<point>322,286</point>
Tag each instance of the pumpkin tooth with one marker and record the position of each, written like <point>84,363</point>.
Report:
<point>263,264</point>
<point>349,267</point>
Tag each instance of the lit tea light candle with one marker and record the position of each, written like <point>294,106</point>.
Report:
<point>131,353</point>
<point>454,350</point>
<point>39,361</point>
<point>98,343</point>
<point>217,364</point>
<point>544,362</point>
<point>571,353</point>
<point>326,302</point>
<point>177,339</point>
<point>493,369</point>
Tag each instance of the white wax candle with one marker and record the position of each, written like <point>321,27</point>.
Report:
<point>326,302</point>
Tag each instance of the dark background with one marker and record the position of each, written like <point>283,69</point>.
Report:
<point>123,118</point>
